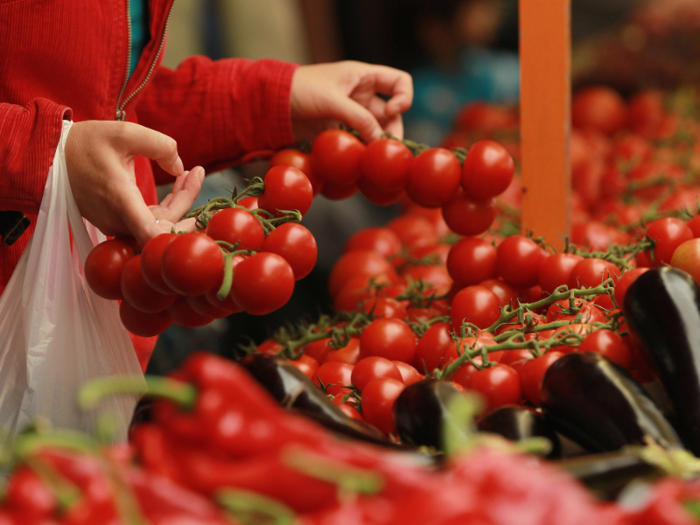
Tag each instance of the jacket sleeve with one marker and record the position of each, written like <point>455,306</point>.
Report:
<point>219,111</point>
<point>29,136</point>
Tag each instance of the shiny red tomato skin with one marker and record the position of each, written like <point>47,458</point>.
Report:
<point>377,195</point>
<point>349,354</point>
<point>359,262</point>
<point>307,365</point>
<point>138,293</point>
<point>471,261</point>
<point>590,272</point>
<point>556,270</point>
<point>434,178</point>
<point>610,344</point>
<point>296,245</point>
<point>371,368</point>
<point>286,188</point>
<point>378,400</point>
<point>237,225</point>
<point>409,374</point>
<point>381,240</point>
<point>389,338</point>
<point>468,217</point>
<point>192,264</point>
<point>413,230</point>
<point>299,160</point>
<point>532,373</point>
<point>336,377</point>
<point>335,156</point>
<point>499,385</point>
<point>487,170</point>
<point>476,305</point>
<point>262,283</point>
<point>431,347</point>
<point>668,233</point>
<point>228,304</point>
<point>624,282</point>
<point>143,324</point>
<point>518,261</point>
<point>104,266</point>
<point>182,314</point>
<point>506,294</point>
<point>339,192</point>
<point>687,258</point>
<point>385,163</point>
<point>151,262</point>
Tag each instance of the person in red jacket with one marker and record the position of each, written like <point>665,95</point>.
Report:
<point>70,60</point>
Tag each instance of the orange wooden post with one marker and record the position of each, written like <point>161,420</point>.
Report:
<point>545,91</point>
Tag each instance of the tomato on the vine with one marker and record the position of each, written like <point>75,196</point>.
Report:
<point>286,188</point>
<point>610,344</point>
<point>151,262</point>
<point>590,272</point>
<point>624,282</point>
<point>532,373</point>
<point>385,163</point>
<point>499,385</point>
<point>668,233</point>
<point>339,192</point>
<point>381,240</point>
<point>487,170</point>
<point>334,377</point>
<point>378,399</point>
<point>296,245</point>
<point>141,323</point>
<point>431,347</point>
<point>377,195</point>
<point>237,225</point>
<point>306,364</point>
<point>518,261</point>
<point>556,270</point>
<point>466,216</point>
<point>471,261</point>
<point>335,156</point>
<point>182,314</point>
<point>389,338</point>
<point>433,178</point>
<point>476,305</point>
<point>192,264</point>
<point>358,262</point>
<point>371,368</point>
<point>687,258</point>
<point>301,161</point>
<point>104,266</point>
<point>262,283</point>
<point>413,230</point>
<point>138,293</point>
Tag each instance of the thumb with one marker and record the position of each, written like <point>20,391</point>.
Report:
<point>356,116</point>
<point>140,141</point>
<point>135,214</point>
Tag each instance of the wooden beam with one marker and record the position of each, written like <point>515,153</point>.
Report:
<point>545,93</point>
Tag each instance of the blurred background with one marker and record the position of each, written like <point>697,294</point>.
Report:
<point>458,51</point>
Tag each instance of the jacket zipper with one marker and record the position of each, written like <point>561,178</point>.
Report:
<point>120,113</point>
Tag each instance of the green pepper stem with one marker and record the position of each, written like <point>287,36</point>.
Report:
<point>93,392</point>
<point>251,508</point>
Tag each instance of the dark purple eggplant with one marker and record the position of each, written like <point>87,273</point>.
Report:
<point>599,405</point>
<point>662,310</point>
<point>608,473</point>
<point>297,392</point>
<point>421,412</point>
<point>517,423</point>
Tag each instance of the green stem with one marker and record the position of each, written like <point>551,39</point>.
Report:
<point>251,508</point>
<point>93,392</point>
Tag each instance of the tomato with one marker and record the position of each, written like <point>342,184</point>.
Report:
<point>336,155</point>
<point>433,275</point>
<point>143,324</point>
<point>516,359</point>
<point>358,262</point>
<point>487,170</point>
<point>384,307</point>
<point>431,347</point>
<point>604,301</point>
<point>296,245</point>
<point>182,314</point>
<point>646,111</point>
<point>471,261</point>
<point>270,346</point>
<point>687,258</point>
<point>499,385</point>
<point>335,377</point>
<point>505,293</point>
<point>202,306</point>
<point>532,374</point>
<point>262,283</point>
<point>389,338</point>
<point>694,225</point>
<point>306,364</point>
<point>249,203</point>
<point>357,290</point>
<point>466,216</point>
<point>286,188</point>
<point>626,279</point>
<point>556,270</point>
<point>236,225</point>
<point>319,349</point>
<point>381,240</point>
<point>377,195</point>
<point>455,349</point>
<point>592,271</point>
<point>437,252</point>
<point>228,304</point>
<point>632,148</point>
<point>587,313</point>
<point>414,231</point>
<point>433,178</point>
<point>485,117</point>
<point>385,163</point>
<point>192,264</point>
<point>574,328</point>
<point>151,262</point>
<point>347,409</point>
<point>138,293</point>
<point>338,192</point>
<point>378,400</point>
<point>600,108</point>
<point>609,344</point>
<point>668,234</point>
<point>371,368</point>
<point>299,160</point>
<point>104,266</point>
<point>415,314</point>
<point>476,305</point>
<point>518,261</point>
<point>409,375</point>
<point>349,354</point>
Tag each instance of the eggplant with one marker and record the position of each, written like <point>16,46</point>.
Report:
<point>297,392</point>
<point>662,310</point>
<point>517,423</point>
<point>600,406</point>
<point>608,473</point>
<point>421,412</point>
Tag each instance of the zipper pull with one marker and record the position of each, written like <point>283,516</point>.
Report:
<point>121,115</point>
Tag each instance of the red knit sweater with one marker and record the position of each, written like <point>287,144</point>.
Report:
<point>68,59</point>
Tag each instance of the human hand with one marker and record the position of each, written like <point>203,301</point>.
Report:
<point>100,159</point>
<point>325,94</point>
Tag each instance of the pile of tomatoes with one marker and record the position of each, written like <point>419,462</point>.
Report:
<point>245,256</point>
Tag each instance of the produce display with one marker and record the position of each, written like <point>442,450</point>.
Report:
<point>470,374</point>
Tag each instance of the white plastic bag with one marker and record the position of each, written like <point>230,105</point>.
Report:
<point>55,333</point>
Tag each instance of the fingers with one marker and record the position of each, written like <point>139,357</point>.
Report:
<point>140,141</point>
<point>356,116</point>
<point>395,126</point>
<point>135,214</point>
<point>396,83</point>
<point>180,200</point>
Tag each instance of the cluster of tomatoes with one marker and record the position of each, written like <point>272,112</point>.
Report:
<point>245,256</point>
